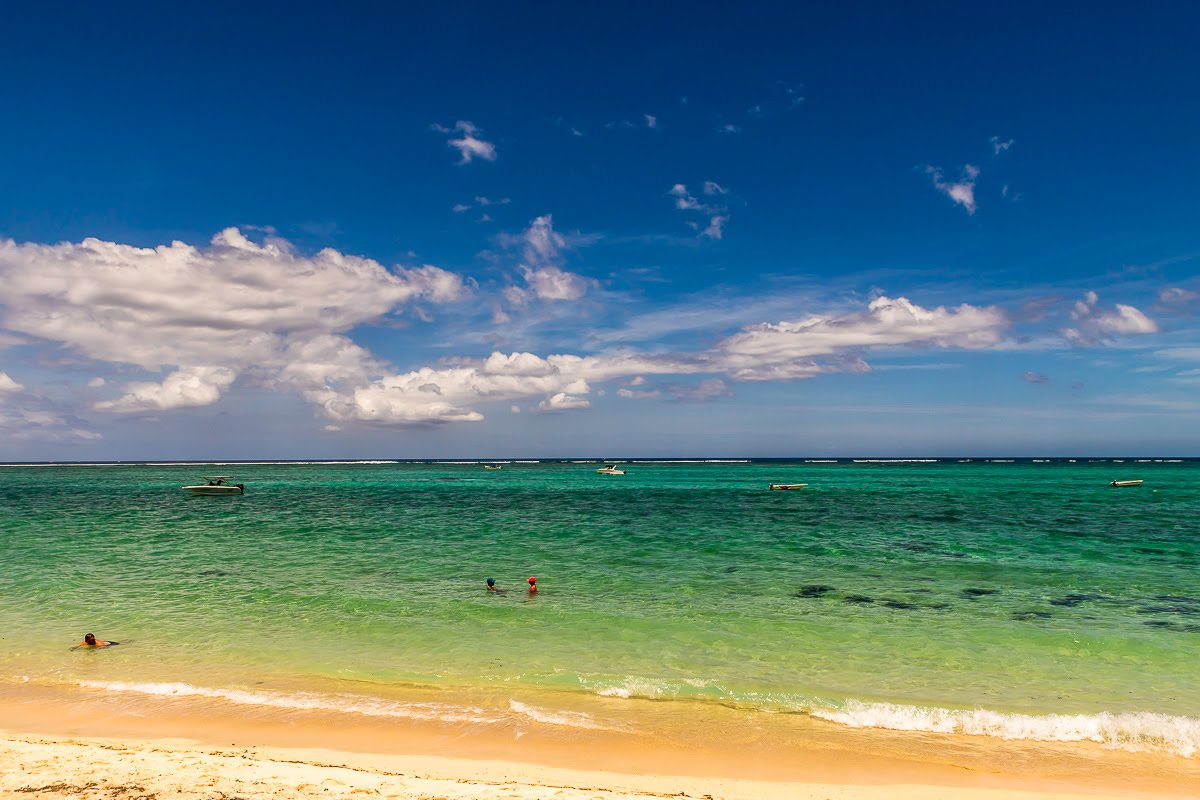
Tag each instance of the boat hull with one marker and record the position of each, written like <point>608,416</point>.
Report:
<point>784,487</point>
<point>1120,484</point>
<point>214,491</point>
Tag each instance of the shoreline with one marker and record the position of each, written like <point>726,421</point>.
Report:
<point>60,739</point>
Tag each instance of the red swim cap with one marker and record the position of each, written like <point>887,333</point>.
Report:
<point>532,579</point>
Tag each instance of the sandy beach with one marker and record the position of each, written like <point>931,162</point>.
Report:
<point>82,744</point>
<point>167,769</point>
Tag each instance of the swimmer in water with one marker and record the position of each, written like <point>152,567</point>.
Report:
<point>532,585</point>
<point>90,640</point>
<point>492,587</point>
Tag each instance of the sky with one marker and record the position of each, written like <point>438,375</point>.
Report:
<point>479,230</point>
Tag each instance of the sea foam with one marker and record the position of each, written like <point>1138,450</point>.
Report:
<point>1133,731</point>
<point>304,701</point>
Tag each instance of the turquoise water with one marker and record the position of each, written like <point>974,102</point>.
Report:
<point>910,595</point>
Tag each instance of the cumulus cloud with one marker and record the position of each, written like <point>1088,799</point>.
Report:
<point>184,388</point>
<point>469,144</point>
<point>562,401</point>
<point>268,312</point>
<point>542,250</point>
<point>811,346</point>
<point>1095,324</point>
<point>886,322</point>
<point>961,191</point>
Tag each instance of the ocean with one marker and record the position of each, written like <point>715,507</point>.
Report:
<point>1015,598</point>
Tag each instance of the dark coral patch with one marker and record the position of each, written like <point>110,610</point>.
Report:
<point>813,590</point>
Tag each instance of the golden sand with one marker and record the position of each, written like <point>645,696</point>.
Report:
<point>82,745</point>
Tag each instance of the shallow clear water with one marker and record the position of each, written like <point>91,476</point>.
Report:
<point>884,594</point>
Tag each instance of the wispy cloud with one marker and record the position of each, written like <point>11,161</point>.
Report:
<point>1034,377</point>
<point>648,121</point>
<point>469,144</point>
<point>962,191</point>
<point>716,212</point>
<point>480,202</point>
<point>999,146</point>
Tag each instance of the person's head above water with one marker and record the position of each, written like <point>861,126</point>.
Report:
<point>491,581</point>
<point>89,638</point>
<point>532,580</point>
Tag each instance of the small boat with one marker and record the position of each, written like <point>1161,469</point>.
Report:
<point>493,466</point>
<point>610,469</point>
<point>1126,483</point>
<point>786,486</point>
<point>216,485</point>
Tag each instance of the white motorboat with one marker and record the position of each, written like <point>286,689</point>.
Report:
<point>610,469</point>
<point>216,485</point>
<point>786,486</point>
<point>1126,483</point>
<point>493,466</point>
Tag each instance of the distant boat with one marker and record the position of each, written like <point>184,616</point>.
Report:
<point>786,486</point>
<point>216,485</point>
<point>493,466</point>
<point>1126,483</point>
<point>610,469</point>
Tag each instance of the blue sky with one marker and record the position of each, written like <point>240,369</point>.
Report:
<point>478,231</point>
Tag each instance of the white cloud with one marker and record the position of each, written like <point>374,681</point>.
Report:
<point>184,388</point>
<point>1178,299</point>
<point>1034,377</point>
<point>96,383</point>
<point>998,146</point>
<point>715,227</point>
<point>8,385</point>
<point>729,127</point>
<point>783,351</point>
<point>961,191</point>
<point>469,145</point>
<point>632,394</point>
<point>267,311</point>
<point>651,120</point>
<point>562,401</point>
<point>515,409</point>
<point>332,428</point>
<point>460,208</point>
<point>886,323</point>
<point>542,255</point>
<point>1095,324</point>
<point>552,283</point>
<point>118,303</point>
<point>686,201</point>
